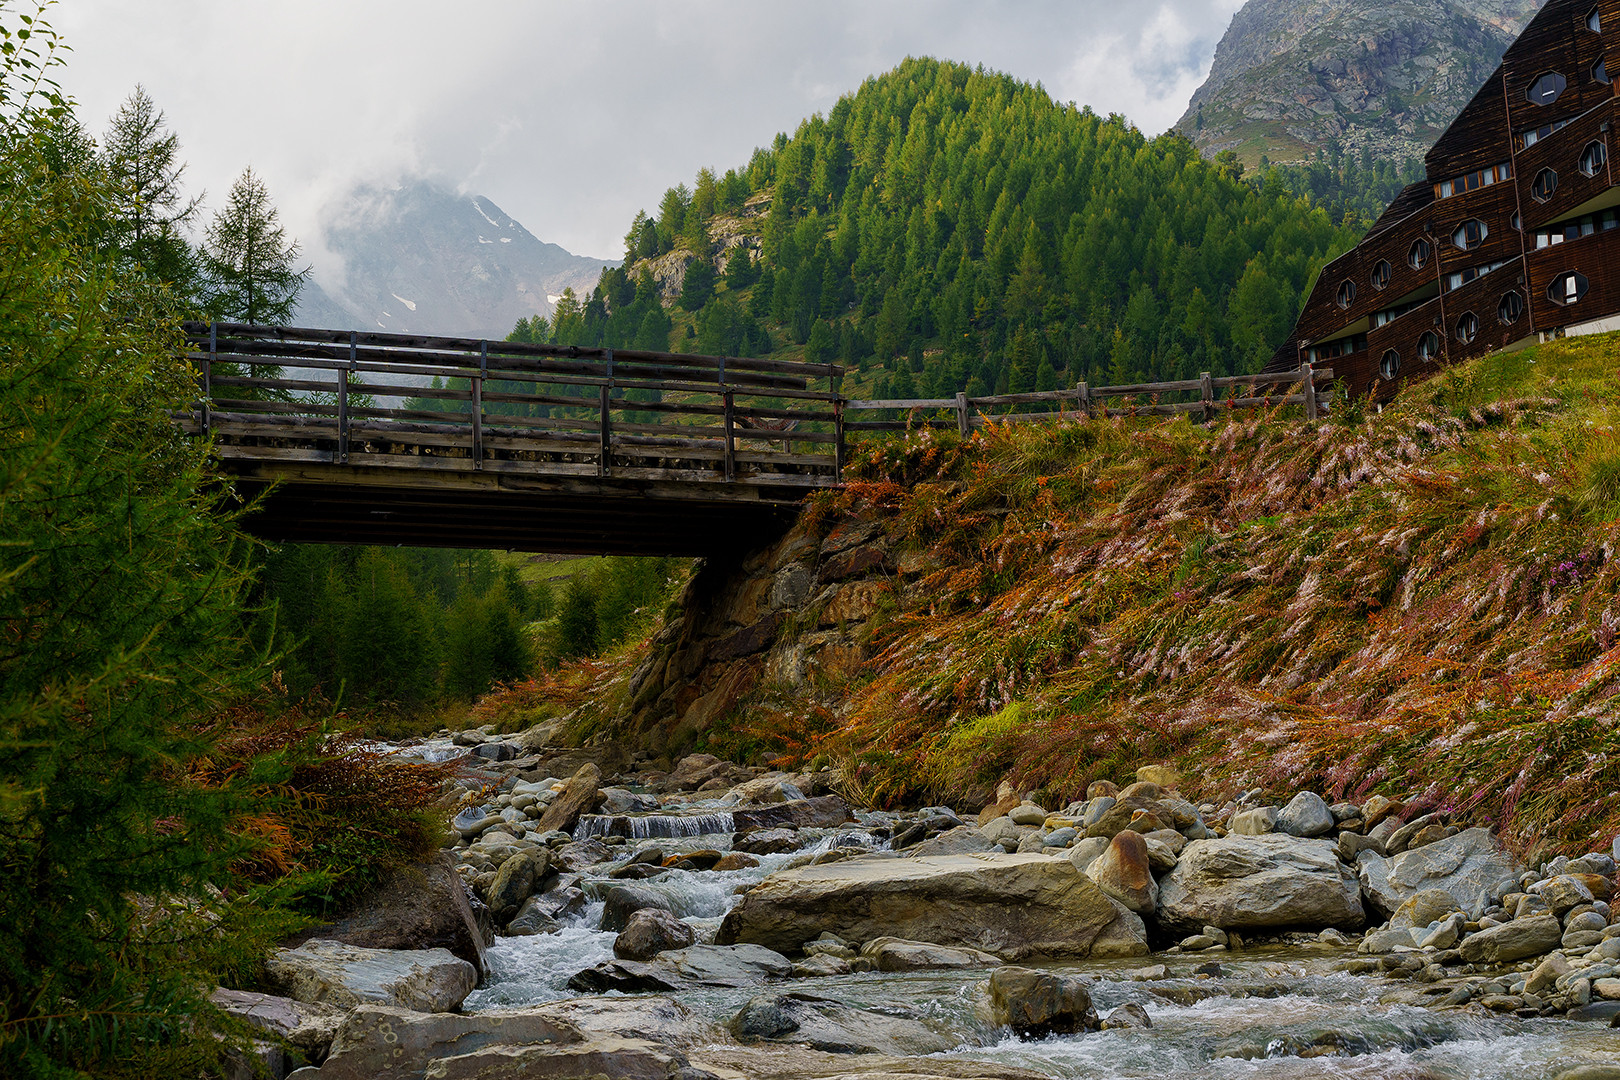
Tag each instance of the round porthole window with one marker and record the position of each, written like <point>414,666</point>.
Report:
<point>1381,274</point>
<point>1390,365</point>
<point>1467,327</point>
<point>1510,309</point>
<point>1418,257</point>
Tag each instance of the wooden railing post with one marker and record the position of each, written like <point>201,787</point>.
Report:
<point>478,406</point>
<point>964,422</point>
<point>838,438</point>
<point>1206,389</point>
<point>1307,386</point>
<point>208,377</point>
<point>1084,393</point>
<point>342,455</point>
<point>605,461</point>
<point>731,435</point>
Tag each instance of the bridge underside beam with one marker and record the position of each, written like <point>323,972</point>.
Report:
<point>594,519</point>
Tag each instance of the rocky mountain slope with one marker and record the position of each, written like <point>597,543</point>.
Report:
<point>1292,76</point>
<point>419,258</point>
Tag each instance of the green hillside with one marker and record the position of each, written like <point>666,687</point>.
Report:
<point>945,227</point>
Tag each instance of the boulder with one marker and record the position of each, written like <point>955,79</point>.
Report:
<point>1027,814</point>
<point>1040,1002</point>
<point>1109,817</point>
<point>307,1025</point>
<point>686,969</point>
<point>736,860</point>
<point>895,954</point>
<point>649,932</point>
<point>417,907</point>
<point>1125,872</point>
<point>1564,893</point>
<point>1271,880</point>
<point>1307,814</point>
<point>622,901</point>
<point>832,1027</point>
<point>695,770</point>
<point>1010,905</point>
<point>1511,941</point>
<point>1162,775</point>
<point>1471,866</point>
<point>579,795</point>
<point>1087,851</point>
<point>1422,908</point>
<point>403,1045</point>
<point>330,972</point>
<point>962,840</point>
<point>1256,821</point>
<point>514,881</point>
<point>767,841</point>
<point>1129,1015</point>
<point>822,812</point>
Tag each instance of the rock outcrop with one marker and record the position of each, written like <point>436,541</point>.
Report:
<point>1272,880</point>
<point>331,973</point>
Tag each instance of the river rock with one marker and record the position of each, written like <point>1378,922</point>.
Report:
<point>1471,866</point>
<point>1565,892</point>
<point>417,907</point>
<point>1307,814</point>
<point>767,841</point>
<point>1422,908</point>
<point>1351,845</point>
<point>514,882</point>
<point>622,901</point>
<point>1272,880</point>
<point>562,902</point>
<point>579,795</point>
<point>1027,814</point>
<point>1256,821</point>
<point>836,1028</point>
<point>402,1045</point>
<point>1117,816</point>
<point>1511,941</point>
<point>1125,872</point>
<point>532,920</point>
<point>686,969</point>
<point>1010,905</point>
<point>649,932</point>
<point>961,840</point>
<point>895,954</point>
<point>307,1025</point>
<point>1087,851</point>
<point>734,860</point>
<point>1036,1003</point>
<point>822,812</point>
<point>427,980</point>
<point>1128,1016</point>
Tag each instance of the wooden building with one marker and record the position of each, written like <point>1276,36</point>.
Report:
<point>1514,235</point>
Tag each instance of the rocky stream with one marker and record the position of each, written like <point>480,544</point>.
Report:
<point>716,920</point>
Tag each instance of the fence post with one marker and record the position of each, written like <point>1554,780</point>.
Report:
<point>1084,393</point>
<point>343,401</point>
<point>208,377</point>
<point>1307,384</point>
<point>838,437</point>
<point>478,406</point>
<point>1206,388</point>
<point>964,423</point>
<point>604,463</point>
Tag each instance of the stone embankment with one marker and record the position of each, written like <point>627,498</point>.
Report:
<point>1439,912</point>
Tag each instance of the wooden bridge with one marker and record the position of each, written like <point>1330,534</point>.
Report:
<point>433,441</point>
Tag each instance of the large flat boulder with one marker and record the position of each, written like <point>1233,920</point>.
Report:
<point>1270,880</point>
<point>686,969</point>
<point>1471,866</point>
<point>404,1045</point>
<point>330,972</point>
<point>823,812</point>
<point>833,1027</point>
<point>1516,940</point>
<point>1010,905</point>
<point>307,1025</point>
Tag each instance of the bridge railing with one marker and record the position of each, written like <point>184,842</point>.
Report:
<point>1206,398</point>
<point>288,394</point>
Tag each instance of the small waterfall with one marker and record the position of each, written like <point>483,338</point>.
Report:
<point>654,826</point>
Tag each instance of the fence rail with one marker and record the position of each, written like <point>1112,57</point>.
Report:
<point>440,405</point>
<point>1241,392</point>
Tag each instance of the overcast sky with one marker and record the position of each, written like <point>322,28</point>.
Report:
<point>573,116</point>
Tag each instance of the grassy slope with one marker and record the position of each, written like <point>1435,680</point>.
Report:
<point>1420,601</point>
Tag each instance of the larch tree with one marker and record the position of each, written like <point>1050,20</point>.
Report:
<point>248,260</point>
<point>151,213</point>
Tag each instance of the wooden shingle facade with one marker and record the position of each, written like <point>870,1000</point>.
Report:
<point>1514,234</point>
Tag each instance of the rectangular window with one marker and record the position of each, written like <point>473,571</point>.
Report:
<point>1474,180</point>
<point>1577,228</point>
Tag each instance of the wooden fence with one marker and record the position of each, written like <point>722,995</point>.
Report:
<point>284,394</point>
<point>1240,392</point>
<point>289,396</point>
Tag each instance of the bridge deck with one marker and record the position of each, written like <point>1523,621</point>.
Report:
<point>386,438</point>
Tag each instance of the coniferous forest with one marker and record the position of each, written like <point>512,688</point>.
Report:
<point>947,228</point>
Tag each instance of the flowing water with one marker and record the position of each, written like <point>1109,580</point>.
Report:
<point>1270,1015</point>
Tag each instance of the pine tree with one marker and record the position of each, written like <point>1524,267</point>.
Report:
<point>150,211</point>
<point>697,289</point>
<point>248,260</point>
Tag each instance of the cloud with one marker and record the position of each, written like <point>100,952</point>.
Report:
<point>573,116</point>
